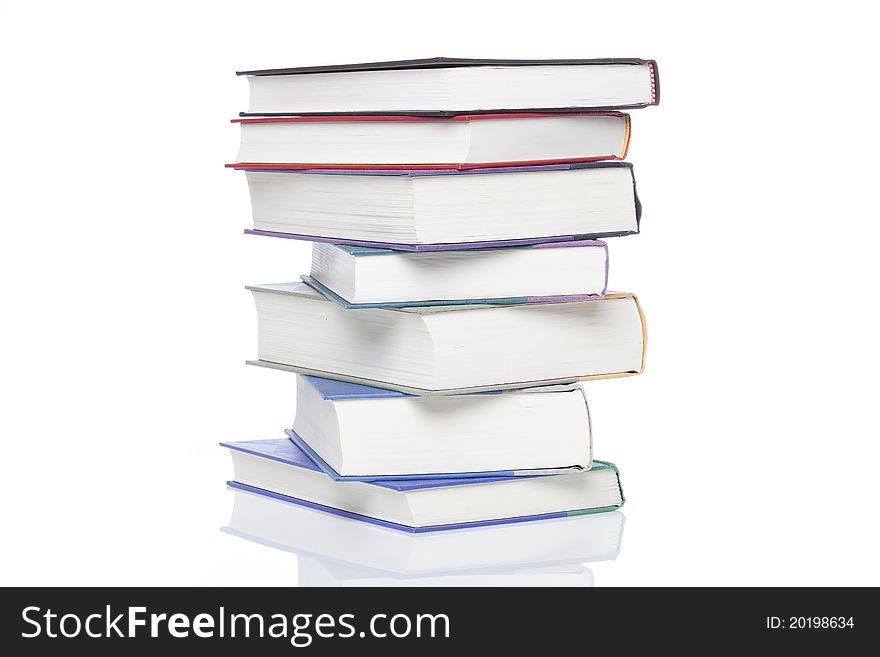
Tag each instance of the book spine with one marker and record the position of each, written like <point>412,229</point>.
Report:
<point>655,81</point>
<point>626,138</point>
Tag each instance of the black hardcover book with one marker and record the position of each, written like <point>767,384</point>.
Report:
<point>442,86</point>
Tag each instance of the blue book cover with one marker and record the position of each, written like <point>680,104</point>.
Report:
<point>328,470</point>
<point>363,250</point>
<point>331,389</point>
<point>284,451</point>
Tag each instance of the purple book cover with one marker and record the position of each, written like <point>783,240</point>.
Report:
<point>284,451</point>
<point>473,477</point>
<point>397,246</point>
<point>333,390</point>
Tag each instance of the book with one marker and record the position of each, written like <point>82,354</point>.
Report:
<point>278,468</point>
<point>459,141</point>
<point>316,572</point>
<point>469,208</point>
<point>444,85</point>
<point>449,349</point>
<point>361,277</point>
<point>309,532</point>
<point>357,432</point>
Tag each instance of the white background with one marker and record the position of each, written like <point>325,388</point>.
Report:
<point>749,448</point>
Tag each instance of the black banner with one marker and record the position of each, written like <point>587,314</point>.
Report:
<point>431,621</point>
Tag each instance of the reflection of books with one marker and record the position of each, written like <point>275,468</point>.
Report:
<point>517,546</point>
<point>314,572</point>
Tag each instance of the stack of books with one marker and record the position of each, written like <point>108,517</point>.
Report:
<point>458,291</point>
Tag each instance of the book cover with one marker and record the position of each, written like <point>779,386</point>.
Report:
<point>332,390</point>
<point>444,62</point>
<point>307,292</point>
<point>418,248</point>
<point>396,246</point>
<point>285,451</point>
<point>358,251</point>
<point>328,470</point>
<point>335,298</point>
<point>370,170</point>
<point>355,251</point>
<point>453,62</point>
<point>424,392</point>
<point>373,118</point>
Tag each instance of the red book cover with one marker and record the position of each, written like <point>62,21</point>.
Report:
<point>293,166</point>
